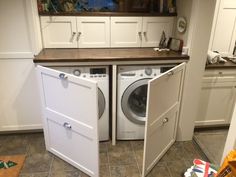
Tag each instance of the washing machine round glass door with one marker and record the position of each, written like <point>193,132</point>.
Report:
<point>101,103</point>
<point>134,100</point>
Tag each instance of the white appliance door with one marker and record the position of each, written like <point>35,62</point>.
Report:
<point>70,116</point>
<point>163,102</point>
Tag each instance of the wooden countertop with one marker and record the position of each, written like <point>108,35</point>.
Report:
<point>108,54</point>
<point>228,65</point>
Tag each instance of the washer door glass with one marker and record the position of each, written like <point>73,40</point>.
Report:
<point>134,101</point>
<point>101,103</point>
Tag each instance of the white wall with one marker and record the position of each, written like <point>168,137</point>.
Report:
<point>198,40</point>
<point>19,98</point>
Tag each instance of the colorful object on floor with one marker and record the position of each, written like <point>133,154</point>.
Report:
<point>228,168</point>
<point>10,166</point>
<point>201,168</point>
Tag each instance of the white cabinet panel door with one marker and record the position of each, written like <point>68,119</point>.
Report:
<point>153,28</point>
<point>163,103</point>
<point>126,31</point>
<point>224,34</point>
<point>59,32</point>
<point>216,103</point>
<point>93,32</point>
<point>70,116</point>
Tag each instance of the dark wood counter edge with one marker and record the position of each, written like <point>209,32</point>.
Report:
<point>46,55</point>
<point>107,14</point>
<point>227,65</point>
<point>110,59</point>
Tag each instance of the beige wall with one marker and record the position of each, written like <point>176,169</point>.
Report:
<point>198,39</point>
<point>184,9</point>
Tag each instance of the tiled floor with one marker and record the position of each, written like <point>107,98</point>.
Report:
<point>212,143</point>
<point>122,160</point>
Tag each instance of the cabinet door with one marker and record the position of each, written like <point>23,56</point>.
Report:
<point>70,123</point>
<point>59,32</point>
<point>163,103</point>
<point>224,34</point>
<point>216,103</point>
<point>93,32</point>
<point>126,31</point>
<point>153,28</point>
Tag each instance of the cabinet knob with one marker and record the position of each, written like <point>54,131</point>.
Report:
<point>72,36</point>
<point>63,76</point>
<point>67,125</point>
<point>165,120</point>
<point>220,72</point>
<point>78,35</point>
<point>170,73</point>
<point>140,35</point>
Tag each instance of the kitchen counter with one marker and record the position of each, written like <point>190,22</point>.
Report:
<point>229,64</point>
<point>107,55</point>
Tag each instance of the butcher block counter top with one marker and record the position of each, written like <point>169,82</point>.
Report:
<point>107,55</point>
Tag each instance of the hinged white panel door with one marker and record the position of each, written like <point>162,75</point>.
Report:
<point>163,103</point>
<point>153,28</point>
<point>93,32</point>
<point>70,116</point>
<point>224,34</point>
<point>59,32</point>
<point>126,31</point>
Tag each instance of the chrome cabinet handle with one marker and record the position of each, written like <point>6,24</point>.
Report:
<point>72,36</point>
<point>165,120</point>
<point>67,125</point>
<point>63,76</point>
<point>78,35</point>
<point>140,35</point>
<point>170,73</point>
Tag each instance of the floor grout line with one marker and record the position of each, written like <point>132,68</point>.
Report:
<point>140,172</point>
<point>108,159</point>
<point>50,168</point>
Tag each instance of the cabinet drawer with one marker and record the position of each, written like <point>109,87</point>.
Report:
<point>220,72</point>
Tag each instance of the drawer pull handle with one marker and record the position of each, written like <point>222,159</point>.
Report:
<point>78,35</point>
<point>140,35</point>
<point>170,73</point>
<point>165,120</point>
<point>72,37</point>
<point>220,72</point>
<point>67,125</point>
<point>62,76</point>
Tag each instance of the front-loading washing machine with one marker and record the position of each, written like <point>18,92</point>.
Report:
<point>101,75</point>
<point>131,99</point>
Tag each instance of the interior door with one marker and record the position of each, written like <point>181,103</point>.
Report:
<point>70,117</point>
<point>163,103</point>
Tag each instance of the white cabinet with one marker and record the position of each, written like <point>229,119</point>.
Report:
<point>217,98</point>
<point>59,32</point>
<point>104,32</point>
<point>71,127</point>
<point>224,29</point>
<point>139,31</point>
<point>74,32</point>
<point>153,28</point>
<point>126,31</point>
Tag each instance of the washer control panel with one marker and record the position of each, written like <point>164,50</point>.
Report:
<point>90,72</point>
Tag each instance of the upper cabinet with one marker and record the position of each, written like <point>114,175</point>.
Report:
<point>139,31</point>
<point>104,32</point>
<point>224,30</point>
<point>73,32</point>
